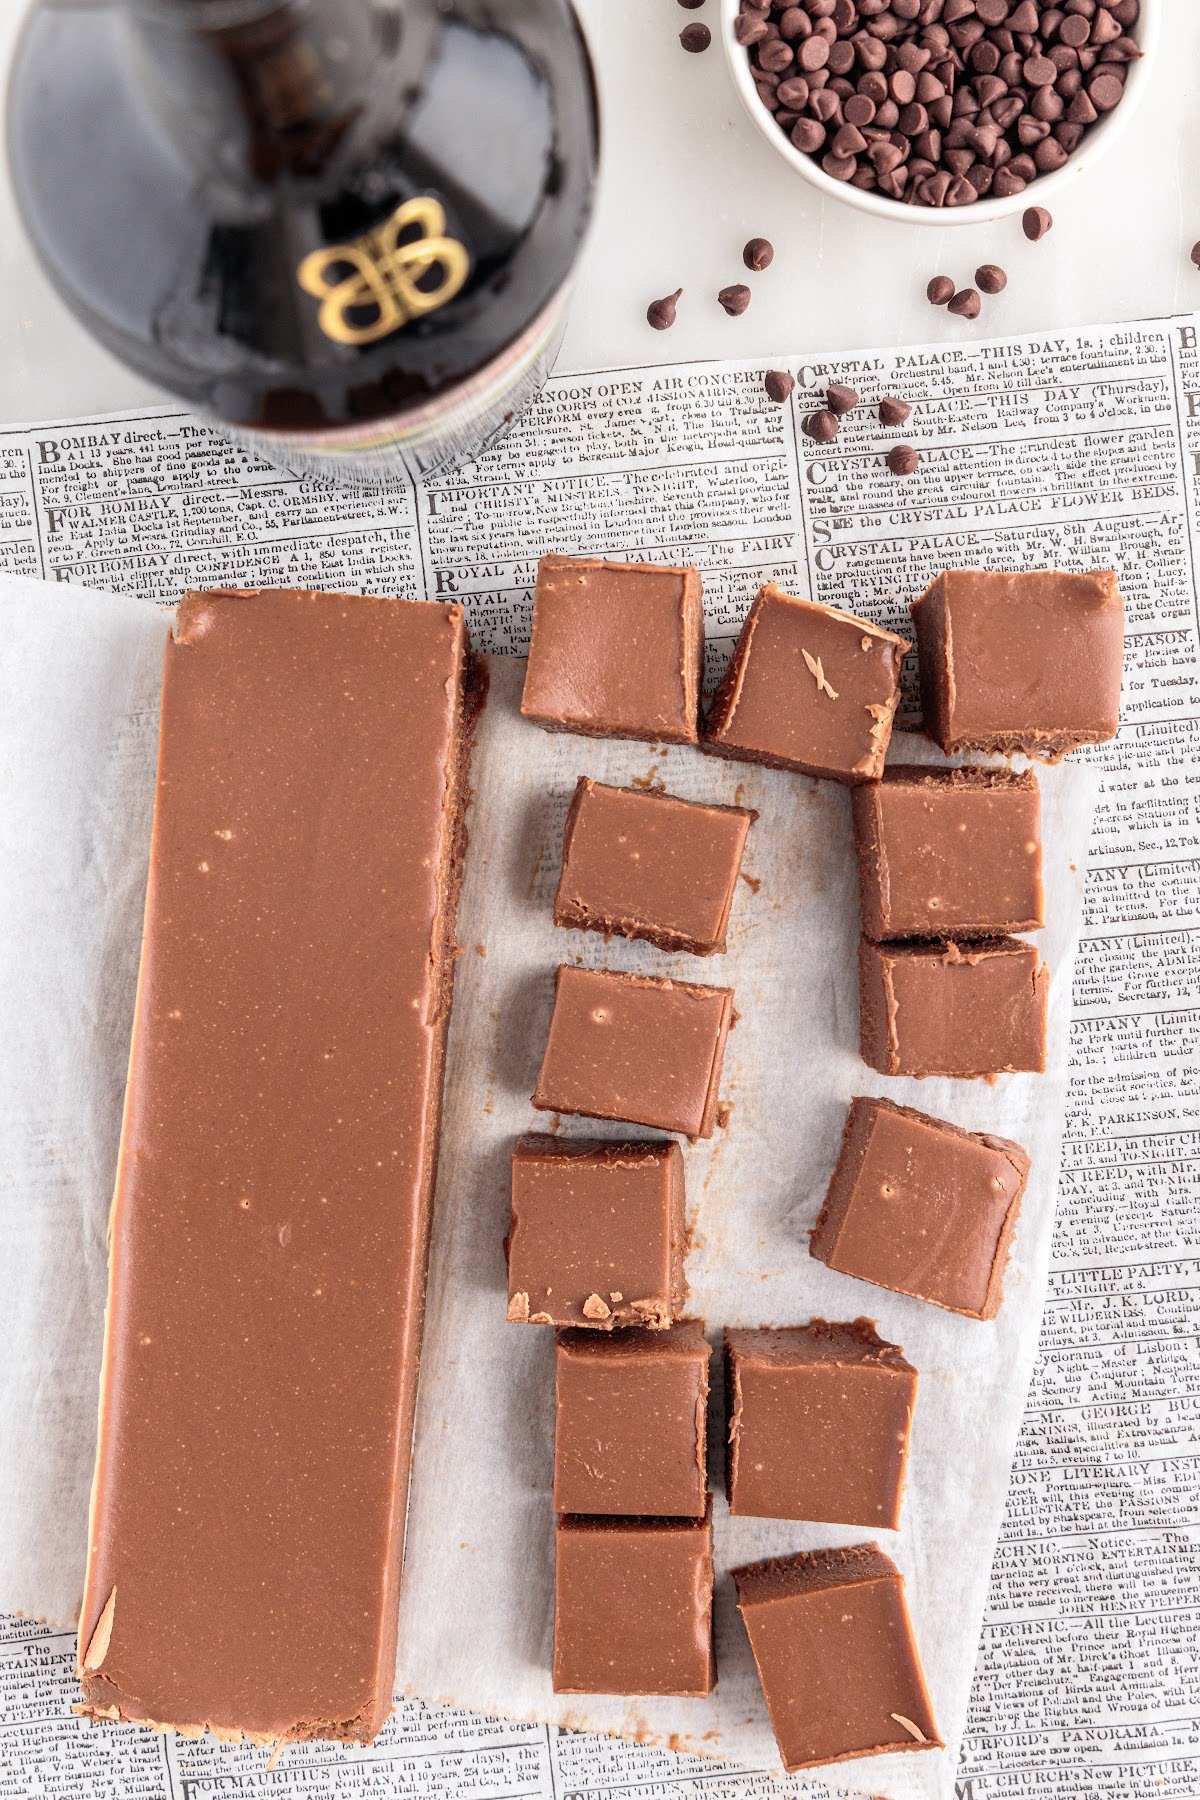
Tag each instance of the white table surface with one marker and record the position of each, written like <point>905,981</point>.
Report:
<point>686,179</point>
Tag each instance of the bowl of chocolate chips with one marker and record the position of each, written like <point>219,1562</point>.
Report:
<point>940,111</point>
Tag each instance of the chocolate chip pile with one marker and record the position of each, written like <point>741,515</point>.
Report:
<point>938,102</point>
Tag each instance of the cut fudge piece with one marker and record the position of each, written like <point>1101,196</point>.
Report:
<point>617,650</point>
<point>835,1652</point>
<point>952,1009</point>
<point>819,1422</point>
<point>1020,662</point>
<point>646,865</point>
<point>633,1606</point>
<point>949,853</point>
<point>597,1233</point>
<point>809,688</point>
<point>629,1432</point>
<point>635,1048</point>
<point>922,1207</point>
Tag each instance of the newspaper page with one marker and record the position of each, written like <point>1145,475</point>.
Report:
<point>1079,449</point>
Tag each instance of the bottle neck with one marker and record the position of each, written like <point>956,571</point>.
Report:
<point>263,89</point>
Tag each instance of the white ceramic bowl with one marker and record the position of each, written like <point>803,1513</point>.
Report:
<point>1097,139</point>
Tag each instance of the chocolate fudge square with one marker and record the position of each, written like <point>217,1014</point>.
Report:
<point>597,1233</point>
<point>617,650</point>
<point>635,1048</point>
<point>646,865</point>
<point>819,1423</point>
<point>630,1415</point>
<point>1014,662</point>
<point>809,688</point>
<point>633,1606</point>
<point>922,1207</point>
<point>836,1655</point>
<point>949,853</point>
<point>965,1009</point>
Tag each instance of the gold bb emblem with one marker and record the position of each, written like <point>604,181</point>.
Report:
<point>376,275</point>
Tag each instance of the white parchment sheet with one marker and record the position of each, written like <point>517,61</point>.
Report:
<point>81,675</point>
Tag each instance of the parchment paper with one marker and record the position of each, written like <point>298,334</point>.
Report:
<point>76,747</point>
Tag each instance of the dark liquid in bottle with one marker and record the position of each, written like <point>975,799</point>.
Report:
<point>343,227</point>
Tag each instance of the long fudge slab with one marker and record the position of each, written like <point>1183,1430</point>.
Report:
<point>271,1217</point>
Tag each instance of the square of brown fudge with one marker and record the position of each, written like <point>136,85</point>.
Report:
<point>1026,662</point>
<point>633,1606</point>
<point>949,853</point>
<point>597,1233</point>
<point>952,1009</point>
<point>646,865</point>
<point>819,1423</point>
<point>836,1655</point>
<point>630,1413</point>
<point>636,1048</point>
<point>922,1207</point>
<point>617,650</point>
<point>809,688</point>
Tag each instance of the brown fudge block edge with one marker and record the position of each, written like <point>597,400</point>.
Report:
<point>550,706</point>
<point>575,908</point>
<point>559,1087</point>
<point>763,1586</point>
<point>995,1242</point>
<point>964,1047</point>
<point>978,694</point>
<point>600,1309</point>
<point>862,1463</point>
<point>631,1417</point>
<point>225,771</point>
<point>983,888</point>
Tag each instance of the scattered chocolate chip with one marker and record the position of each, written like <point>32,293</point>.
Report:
<point>902,459</point>
<point>778,384</point>
<point>661,313</point>
<point>758,254</point>
<point>893,411</point>
<point>939,102</point>
<point>940,290</point>
<point>965,303</point>
<point>735,299</point>
<point>1035,223</point>
<point>822,425</point>
<point>695,37</point>
<point>840,399</point>
<point>991,278</point>
<point>1196,254</point>
<point>691,5</point>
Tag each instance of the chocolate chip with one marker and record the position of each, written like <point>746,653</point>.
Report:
<point>750,28</point>
<point>1196,254</point>
<point>902,459</point>
<point>965,303</point>
<point>735,299</point>
<point>1035,223</point>
<point>893,411</point>
<point>691,5</point>
<point>823,425</point>
<point>840,398</point>
<point>940,290</point>
<point>778,384</point>
<point>695,37</point>
<point>661,313</point>
<point>758,254</point>
<point>991,278</point>
<point>808,135</point>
